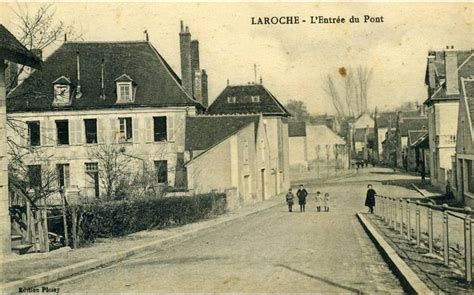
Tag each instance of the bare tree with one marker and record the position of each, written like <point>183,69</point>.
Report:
<point>40,29</point>
<point>349,92</point>
<point>113,163</point>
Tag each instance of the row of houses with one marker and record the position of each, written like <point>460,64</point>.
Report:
<point>125,94</point>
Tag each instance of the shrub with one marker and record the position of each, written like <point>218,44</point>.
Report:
<point>117,218</point>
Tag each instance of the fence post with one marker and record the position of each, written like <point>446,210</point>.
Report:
<point>468,245</point>
<point>418,225</point>
<point>408,221</point>
<point>401,217</point>
<point>445,235</point>
<point>394,213</point>
<point>430,229</point>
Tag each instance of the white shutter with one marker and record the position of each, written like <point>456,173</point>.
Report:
<point>170,127</point>
<point>72,131</point>
<point>136,130</point>
<point>149,129</point>
<point>112,131</point>
<point>23,134</point>
<point>101,131</point>
<point>48,132</point>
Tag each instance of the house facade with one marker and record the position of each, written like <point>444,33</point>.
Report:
<point>229,152</point>
<point>463,166</point>
<point>92,95</point>
<point>443,72</point>
<point>316,148</point>
<point>256,99</point>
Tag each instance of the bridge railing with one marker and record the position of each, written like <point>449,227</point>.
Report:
<point>405,217</point>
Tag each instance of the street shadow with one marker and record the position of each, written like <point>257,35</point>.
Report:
<point>177,260</point>
<point>327,281</point>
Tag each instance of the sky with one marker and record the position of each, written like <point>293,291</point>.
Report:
<point>293,60</point>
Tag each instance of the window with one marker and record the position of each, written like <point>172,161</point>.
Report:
<point>125,129</point>
<point>34,176</point>
<point>161,168</point>
<point>231,99</point>
<point>63,175</point>
<point>159,128</point>
<point>91,130</point>
<point>62,128</point>
<point>92,173</point>
<point>124,92</point>
<point>255,98</point>
<point>34,133</point>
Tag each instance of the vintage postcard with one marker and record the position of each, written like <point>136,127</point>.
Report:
<point>240,147</point>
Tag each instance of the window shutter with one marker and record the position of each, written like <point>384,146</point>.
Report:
<point>149,129</point>
<point>170,125</point>
<point>136,130</point>
<point>112,131</point>
<point>23,134</point>
<point>75,131</point>
<point>48,132</point>
<point>101,131</point>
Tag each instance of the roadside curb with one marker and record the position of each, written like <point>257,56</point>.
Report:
<point>417,189</point>
<point>67,271</point>
<point>406,275</point>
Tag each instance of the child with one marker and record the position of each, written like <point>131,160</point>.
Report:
<point>318,201</point>
<point>326,202</point>
<point>289,200</point>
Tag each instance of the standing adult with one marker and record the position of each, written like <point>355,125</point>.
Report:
<point>301,194</point>
<point>370,198</point>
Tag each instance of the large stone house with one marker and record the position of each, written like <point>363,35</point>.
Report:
<point>256,99</point>
<point>95,94</point>
<point>444,70</point>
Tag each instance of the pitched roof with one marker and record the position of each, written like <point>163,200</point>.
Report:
<point>465,69</point>
<point>296,129</point>
<point>468,93</point>
<point>268,104</point>
<point>415,135</point>
<point>157,84</point>
<point>421,142</point>
<point>204,132</point>
<point>412,123</point>
<point>383,119</point>
<point>359,134</point>
<point>11,49</point>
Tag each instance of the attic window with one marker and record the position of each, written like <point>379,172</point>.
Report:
<point>125,89</point>
<point>255,98</point>
<point>62,91</point>
<point>231,99</point>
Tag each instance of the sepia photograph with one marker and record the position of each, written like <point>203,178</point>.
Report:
<point>236,147</point>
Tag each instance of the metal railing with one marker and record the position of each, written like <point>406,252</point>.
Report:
<point>397,214</point>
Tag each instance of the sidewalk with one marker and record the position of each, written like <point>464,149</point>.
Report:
<point>429,268</point>
<point>40,268</point>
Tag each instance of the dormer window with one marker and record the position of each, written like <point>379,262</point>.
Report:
<point>62,91</point>
<point>125,89</point>
<point>231,99</point>
<point>255,98</point>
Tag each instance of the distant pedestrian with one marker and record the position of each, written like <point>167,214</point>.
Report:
<point>370,198</point>
<point>422,174</point>
<point>289,200</point>
<point>326,202</point>
<point>301,194</point>
<point>319,200</point>
<point>449,191</point>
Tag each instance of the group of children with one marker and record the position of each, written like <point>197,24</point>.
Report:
<point>321,201</point>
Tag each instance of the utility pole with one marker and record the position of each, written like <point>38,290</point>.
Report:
<point>255,72</point>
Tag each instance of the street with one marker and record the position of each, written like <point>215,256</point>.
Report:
<point>272,251</point>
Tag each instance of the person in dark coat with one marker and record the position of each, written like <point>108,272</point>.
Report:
<point>301,194</point>
<point>370,198</point>
<point>289,200</point>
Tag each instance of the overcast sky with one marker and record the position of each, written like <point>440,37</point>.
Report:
<point>292,59</point>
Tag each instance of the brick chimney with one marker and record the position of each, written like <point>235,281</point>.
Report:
<point>195,71</point>
<point>205,95</point>
<point>451,70</point>
<point>185,50</point>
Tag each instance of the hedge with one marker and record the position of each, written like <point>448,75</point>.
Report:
<point>122,217</point>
